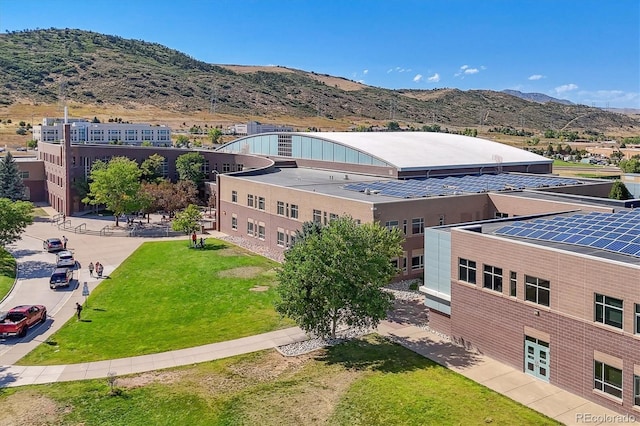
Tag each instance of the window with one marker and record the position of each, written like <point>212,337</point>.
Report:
<point>608,310</point>
<point>234,196</point>
<point>25,174</point>
<point>607,379</point>
<point>261,232</point>
<point>281,208</point>
<point>492,278</point>
<point>513,284</point>
<point>636,390</point>
<point>332,217</point>
<point>467,270</point>
<point>536,290</point>
<point>294,211</point>
<point>280,239</point>
<point>234,223</point>
<point>293,240</point>
<point>250,200</point>
<point>637,319</point>
<point>404,226</point>
<point>391,224</point>
<point>261,203</point>
<point>417,262</point>
<point>501,215</point>
<point>250,228</point>
<point>417,225</point>
<point>324,221</point>
<point>226,168</point>
<point>317,216</point>
<point>441,220</point>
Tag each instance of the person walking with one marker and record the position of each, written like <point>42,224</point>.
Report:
<point>78,310</point>
<point>194,238</point>
<point>64,242</point>
<point>99,269</point>
<point>91,269</point>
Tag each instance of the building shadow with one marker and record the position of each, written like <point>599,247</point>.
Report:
<point>445,353</point>
<point>24,253</point>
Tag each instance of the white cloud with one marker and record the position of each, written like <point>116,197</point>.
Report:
<point>467,70</point>
<point>398,69</point>
<point>434,78</point>
<point>417,78</point>
<point>536,77</point>
<point>365,72</point>
<point>565,88</point>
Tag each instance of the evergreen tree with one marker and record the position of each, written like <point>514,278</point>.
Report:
<point>11,184</point>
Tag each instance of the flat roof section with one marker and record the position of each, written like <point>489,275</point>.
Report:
<point>613,236</point>
<point>375,190</point>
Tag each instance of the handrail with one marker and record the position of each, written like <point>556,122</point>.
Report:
<point>106,230</point>
<point>80,228</point>
<point>56,218</point>
<point>64,224</point>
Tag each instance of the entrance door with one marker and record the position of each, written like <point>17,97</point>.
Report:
<point>536,358</point>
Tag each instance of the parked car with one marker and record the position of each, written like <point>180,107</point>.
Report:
<point>52,244</point>
<point>21,148</point>
<point>17,321</point>
<point>65,258</point>
<point>61,277</point>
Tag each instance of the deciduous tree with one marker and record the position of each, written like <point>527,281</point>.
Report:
<point>336,276</point>
<point>14,218</point>
<point>116,185</point>
<point>188,220</point>
<point>189,167</point>
<point>619,191</point>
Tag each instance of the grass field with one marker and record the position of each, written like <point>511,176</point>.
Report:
<point>168,296</point>
<point>7,272</point>
<point>362,382</point>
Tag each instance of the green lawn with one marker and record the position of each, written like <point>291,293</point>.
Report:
<point>362,382</point>
<point>7,272</point>
<point>574,164</point>
<point>168,296</point>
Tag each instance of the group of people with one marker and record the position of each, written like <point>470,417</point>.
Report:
<point>195,242</point>
<point>98,268</point>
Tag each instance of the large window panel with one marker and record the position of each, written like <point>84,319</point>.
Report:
<point>339,153</point>
<point>305,148</point>
<point>352,156</point>
<point>364,158</point>
<point>316,149</point>
<point>607,379</point>
<point>327,151</point>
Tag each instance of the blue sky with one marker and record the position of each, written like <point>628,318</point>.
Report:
<point>586,51</point>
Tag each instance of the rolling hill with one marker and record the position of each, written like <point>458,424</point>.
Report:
<point>50,65</point>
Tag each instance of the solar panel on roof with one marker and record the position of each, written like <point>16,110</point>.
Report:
<point>601,243</point>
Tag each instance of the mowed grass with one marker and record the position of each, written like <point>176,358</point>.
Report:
<point>168,296</point>
<point>363,382</point>
<point>7,272</point>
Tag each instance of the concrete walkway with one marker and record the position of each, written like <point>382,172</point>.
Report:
<point>563,406</point>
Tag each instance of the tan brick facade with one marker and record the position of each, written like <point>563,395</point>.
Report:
<point>496,323</point>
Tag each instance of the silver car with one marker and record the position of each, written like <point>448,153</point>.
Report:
<point>65,258</point>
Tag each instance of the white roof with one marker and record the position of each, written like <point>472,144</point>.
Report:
<point>418,150</point>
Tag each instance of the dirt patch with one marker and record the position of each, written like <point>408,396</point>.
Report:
<point>245,272</point>
<point>148,378</point>
<point>30,409</point>
<point>259,288</point>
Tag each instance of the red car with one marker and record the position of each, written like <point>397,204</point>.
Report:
<point>17,321</point>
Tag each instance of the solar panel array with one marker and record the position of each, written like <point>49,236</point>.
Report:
<point>454,185</point>
<point>616,232</point>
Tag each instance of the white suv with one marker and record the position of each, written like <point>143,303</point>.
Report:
<point>65,259</point>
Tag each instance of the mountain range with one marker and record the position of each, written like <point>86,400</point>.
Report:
<point>54,65</point>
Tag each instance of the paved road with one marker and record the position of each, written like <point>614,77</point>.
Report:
<point>34,271</point>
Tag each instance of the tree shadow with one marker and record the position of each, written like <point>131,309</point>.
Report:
<point>412,312</point>
<point>445,353</point>
<point>373,353</point>
<point>6,378</point>
<point>24,253</point>
<point>35,269</point>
